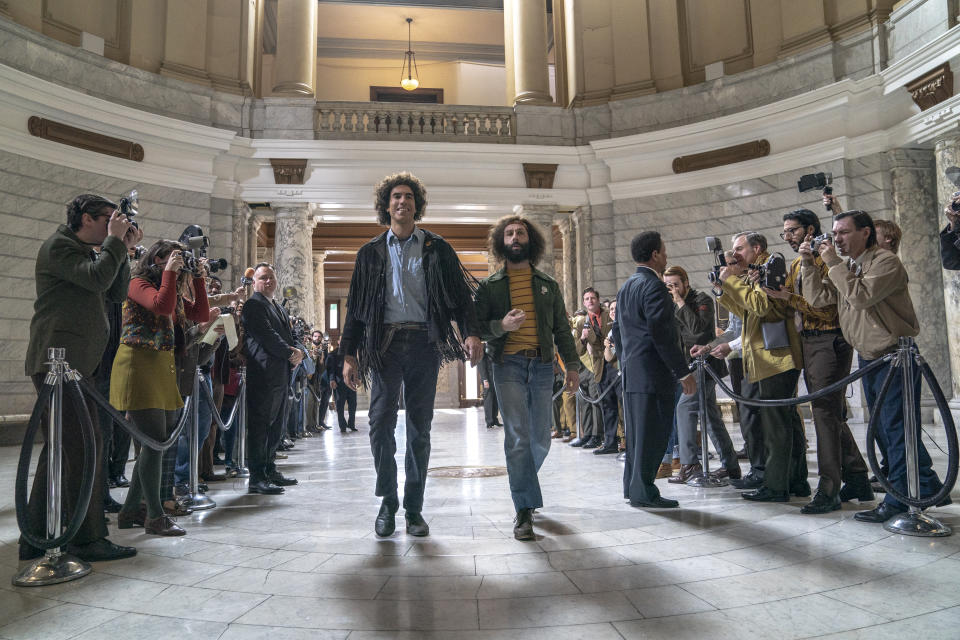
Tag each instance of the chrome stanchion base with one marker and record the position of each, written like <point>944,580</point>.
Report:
<point>62,567</point>
<point>243,472</point>
<point>917,524</point>
<point>706,481</point>
<point>200,502</point>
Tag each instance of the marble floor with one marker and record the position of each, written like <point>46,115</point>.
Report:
<point>306,565</point>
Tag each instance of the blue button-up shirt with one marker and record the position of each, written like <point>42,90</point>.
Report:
<point>407,299</point>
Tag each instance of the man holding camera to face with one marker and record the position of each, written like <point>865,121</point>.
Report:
<point>950,236</point>
<point>772,361</point>
<point>875,311</point>
<point>826,359</point>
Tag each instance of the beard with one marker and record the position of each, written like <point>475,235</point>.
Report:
<point>517,252</point>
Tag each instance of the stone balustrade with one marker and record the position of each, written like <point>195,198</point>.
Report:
<point>423,122</point>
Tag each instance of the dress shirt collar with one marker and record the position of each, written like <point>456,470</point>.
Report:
<point>417,235</point>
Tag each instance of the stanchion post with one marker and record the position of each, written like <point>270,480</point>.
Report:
<point>703,479</point>
<point>242,471</point>
<point>56,566</point>
<point>198,501</point>
<point>913,522</point>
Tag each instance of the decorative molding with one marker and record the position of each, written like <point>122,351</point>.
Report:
<point>810,40</point>
<point>720,157</point>
<point>933,87</point>
<point>89,140</point>
<point>539,176</point>
<point>113,40</point>
<point>288,170</point>
<point>184,72</point>
<point>390,49</point>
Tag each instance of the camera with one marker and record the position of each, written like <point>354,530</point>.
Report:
<point>138,251</point>
<point>773,272</point>
<point>819,240</point>
<point>818,181</point>
<point>230,310</point>
<point>719,260</point>
<point>197,244</point>
<point>129,206</point>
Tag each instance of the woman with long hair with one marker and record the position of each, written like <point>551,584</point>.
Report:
<point>144,377</point>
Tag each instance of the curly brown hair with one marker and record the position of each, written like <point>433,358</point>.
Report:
<point>538,244</point>
<point>381,195</point>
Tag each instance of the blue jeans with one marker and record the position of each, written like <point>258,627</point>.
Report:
<point>673,449</point>
<point>890,434</point>
<point>411,361</point>
<point>205,409</point>
<point>524,389</point>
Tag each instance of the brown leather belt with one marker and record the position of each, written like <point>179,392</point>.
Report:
<point>407,326</point>
<point>528,353</point>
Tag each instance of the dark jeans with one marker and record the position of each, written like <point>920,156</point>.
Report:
<point>786,463</point>
<point>93,527</point>
<point>265,404</point>
<point>346,398</point>
<point>411,361</point>
<point>648,420</point>
<point>610,405</point>
<point>826,359</point>
<point>890,433</point>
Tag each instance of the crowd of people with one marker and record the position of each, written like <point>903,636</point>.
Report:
<point>151,324</point>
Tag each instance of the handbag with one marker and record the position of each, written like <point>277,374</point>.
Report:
<point>775,335</point>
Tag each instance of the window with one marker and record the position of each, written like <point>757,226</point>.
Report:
<point>333,316</point>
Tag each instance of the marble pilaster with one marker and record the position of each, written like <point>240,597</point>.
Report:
<point>543,218</point>
<point>296,59</point>
<point>293,247</point>
<point>913,182</point>
<point>567,279</point>
<point>319,291</point>
<point>947,154</point>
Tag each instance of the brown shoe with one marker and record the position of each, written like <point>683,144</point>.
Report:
<point>732,473</point>
<point>676,464</point>
<point>687,471</point>
<point>174,508</point>
<point>162,526</point>
<point>665,471</point>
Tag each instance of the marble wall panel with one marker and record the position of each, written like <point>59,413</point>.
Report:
<point>916,23</point>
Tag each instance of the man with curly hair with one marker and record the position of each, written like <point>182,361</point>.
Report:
<point>408,286</point>
<point>522,316</point>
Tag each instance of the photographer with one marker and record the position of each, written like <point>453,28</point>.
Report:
<point>950,236</point>
<point>772,360</point>
<point>144,378</point>
<point>72,284</point>
<point>319,352</point>
<point>826,359</point>
<point>875,310</point>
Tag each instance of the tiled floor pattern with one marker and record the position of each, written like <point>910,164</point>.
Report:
<point>306,565</point>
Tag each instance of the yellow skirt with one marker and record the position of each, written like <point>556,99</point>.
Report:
<point>144,378</point>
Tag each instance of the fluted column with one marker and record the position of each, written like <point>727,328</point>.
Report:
<point>567,281</point>
<point>293,254</point>
<point>319,292</point>
<point>947,154</point>
<point>296,61</point>
<point>543,218</point>
<point>525,33</point>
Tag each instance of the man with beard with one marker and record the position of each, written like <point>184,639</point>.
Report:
<point>651,362</point>
<point>521,314</point>
<point>407,287</point>
<point>826,359</point>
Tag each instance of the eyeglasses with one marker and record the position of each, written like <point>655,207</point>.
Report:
<point>790,232</point>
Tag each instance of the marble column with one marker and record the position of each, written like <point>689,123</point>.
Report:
<point>253,233</point>
<point>584,250</point>
<point>293,251</point>
<point>947,154</point>
<point>567,279</point>
<point>239,252</point>
<point>543,218</point>
<point>296,60</point>
<point>319,291</point>
<point>526,35</point>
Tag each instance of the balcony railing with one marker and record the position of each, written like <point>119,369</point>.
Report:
<point>420,122</point>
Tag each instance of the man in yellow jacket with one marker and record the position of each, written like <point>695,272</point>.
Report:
<point>771,369</point>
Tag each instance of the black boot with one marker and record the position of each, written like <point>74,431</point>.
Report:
<point>858,487</point>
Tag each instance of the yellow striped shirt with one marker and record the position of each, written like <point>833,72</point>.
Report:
<point>521,297</point>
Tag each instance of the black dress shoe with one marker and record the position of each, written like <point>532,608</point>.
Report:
<point>749,481</point>
<point>801,490</point>
<point>881,513</point>
<point>122,482</point>
<point>281,480</point>
<point>264,487</point>
<point>579,442</point>
<point>386,522</point>
<point>659,503</point>
<point>764,494</point>
<point>622,456</point>
<point>353,429</point>
<point>605,450</point>
<point>416,525</point>
<point>592,443</point>
<point>111,506</point>
<point>100,551</point>
<point>112,483</point>
<point>523,525</point>
<point>822,503</point>
<point>857,488</point>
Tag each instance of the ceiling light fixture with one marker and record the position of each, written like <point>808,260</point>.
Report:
<point>409,72</point>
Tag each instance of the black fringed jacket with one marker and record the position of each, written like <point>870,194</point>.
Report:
<point>449,298</point>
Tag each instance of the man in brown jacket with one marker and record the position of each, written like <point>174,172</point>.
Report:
<point>589,330</point>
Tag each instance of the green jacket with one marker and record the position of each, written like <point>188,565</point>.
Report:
<point>72,283</point>
<point>493,303</point>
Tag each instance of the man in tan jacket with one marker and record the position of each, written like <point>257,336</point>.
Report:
<point>875,310</point>
<point>589,330</point>
<point>770,372</point>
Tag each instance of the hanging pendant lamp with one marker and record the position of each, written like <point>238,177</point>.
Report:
<point>408,72</point>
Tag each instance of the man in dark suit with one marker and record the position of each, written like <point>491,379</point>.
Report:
<point>269,345</point>
<point>343,395</point>
<point>651,362</point>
